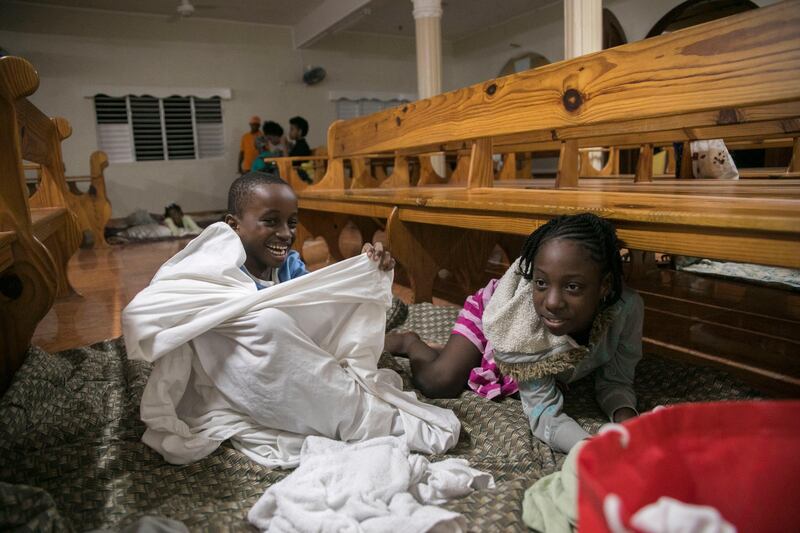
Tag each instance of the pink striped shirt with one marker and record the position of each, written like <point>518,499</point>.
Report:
<point>486,379</point>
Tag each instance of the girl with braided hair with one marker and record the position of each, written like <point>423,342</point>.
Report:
<point>560,313</point>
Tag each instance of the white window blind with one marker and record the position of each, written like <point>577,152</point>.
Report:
<point>145,128</point>
<point>347,109</point>
<point>208,127</point>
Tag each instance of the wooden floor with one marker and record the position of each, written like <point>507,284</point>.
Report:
<point>106,280</point>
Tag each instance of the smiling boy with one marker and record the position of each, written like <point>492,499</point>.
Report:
<point>262,210</point>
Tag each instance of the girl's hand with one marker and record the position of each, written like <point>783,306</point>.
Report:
<point>377,253</point>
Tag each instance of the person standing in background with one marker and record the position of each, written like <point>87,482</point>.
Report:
<point>247,149</point>
<point>298,129</point>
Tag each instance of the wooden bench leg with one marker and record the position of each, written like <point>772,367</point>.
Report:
<point>423,250</point>
<point>642,263</point>
<point>670,165</point>
<point>509,170</point>
<point>794,164</point>
<point>414,255</point>
<point>687,172</point>
<point>400,176</point>
<point>568,160</point>
<point>361,176</point>
<point>326,225</point>
<point>428,174</point>
<point>644,167</point>
<point>367,227</point>
<point>511,245</point>
<point>27,291</point>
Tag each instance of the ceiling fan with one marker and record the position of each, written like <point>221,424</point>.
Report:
<point>186,9</point>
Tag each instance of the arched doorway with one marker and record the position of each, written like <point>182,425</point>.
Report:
<point>613,34</point>
<point>693,12</point>
<point>525,61</point>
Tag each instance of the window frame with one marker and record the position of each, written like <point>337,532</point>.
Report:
<point>163,127</point>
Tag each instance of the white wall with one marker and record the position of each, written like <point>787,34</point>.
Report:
<point>76,49</point>
<point>482,55</point>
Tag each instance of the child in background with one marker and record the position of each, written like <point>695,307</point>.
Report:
<point>271,145</point>
<point>298,129</point>
<point>178,223</point>
<point>559,313</point>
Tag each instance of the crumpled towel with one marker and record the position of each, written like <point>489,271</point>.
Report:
<point>551,504</point>
<point>510,321</point>
<point>371,486</point>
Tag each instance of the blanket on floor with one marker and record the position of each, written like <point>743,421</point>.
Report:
<point>71,456</point>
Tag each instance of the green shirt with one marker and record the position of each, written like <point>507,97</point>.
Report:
<point>259,163</point>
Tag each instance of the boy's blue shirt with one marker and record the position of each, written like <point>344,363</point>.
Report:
<point>293,267</point>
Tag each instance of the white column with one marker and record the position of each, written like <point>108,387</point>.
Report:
<point>428,21</point>
<point>583,34</point>
<point>428,31</point>
<point>583,27</point>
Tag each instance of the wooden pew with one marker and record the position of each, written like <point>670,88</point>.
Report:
<point>54,223</point>
<point>29,276</point>
<point>698,83</point>
<point>92,207</point>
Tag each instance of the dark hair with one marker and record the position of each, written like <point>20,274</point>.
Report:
<point>597,235</point>
<point>301,123</point>
<point>170,207</point>
<point>272,128</point>
<point>243,186</point>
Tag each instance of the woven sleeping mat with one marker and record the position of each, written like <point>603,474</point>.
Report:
<point>71,458</point>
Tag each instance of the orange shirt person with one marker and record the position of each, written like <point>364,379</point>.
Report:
<point>248,150</point>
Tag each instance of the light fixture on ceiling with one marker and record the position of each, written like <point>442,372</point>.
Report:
<point>186,9</point>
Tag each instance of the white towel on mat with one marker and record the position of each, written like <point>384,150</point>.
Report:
<point>268,368</point>
<point>372,486</point>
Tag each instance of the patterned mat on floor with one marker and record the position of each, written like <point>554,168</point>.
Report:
<point>71,458</point>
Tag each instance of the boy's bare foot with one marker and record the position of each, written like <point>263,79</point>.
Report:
<point>398,343</point>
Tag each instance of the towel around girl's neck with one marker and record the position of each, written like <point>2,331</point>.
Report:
<point>523,346</point>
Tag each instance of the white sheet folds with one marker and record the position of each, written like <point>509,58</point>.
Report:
<point>269,368</point>
<point>370,487</point>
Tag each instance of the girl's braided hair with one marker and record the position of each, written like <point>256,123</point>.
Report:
<point>596,235</point>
